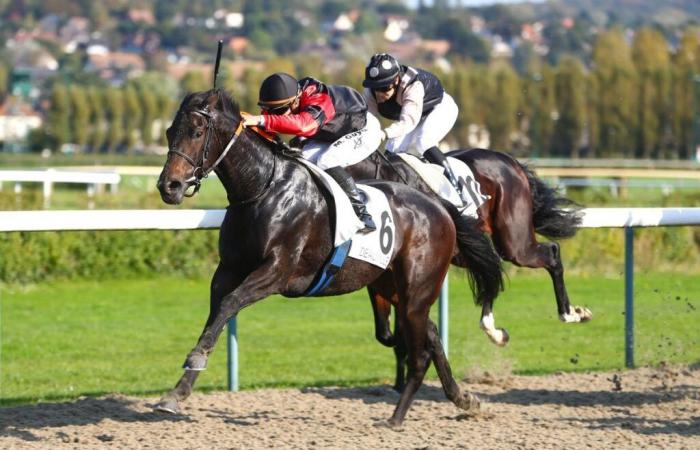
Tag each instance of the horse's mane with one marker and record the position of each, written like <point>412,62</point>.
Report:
<point>198,100</point>
<point>227,104</point>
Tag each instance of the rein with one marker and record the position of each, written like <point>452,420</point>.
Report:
<point>383,156</point>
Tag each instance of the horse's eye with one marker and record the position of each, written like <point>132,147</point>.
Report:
<point>198,134</point>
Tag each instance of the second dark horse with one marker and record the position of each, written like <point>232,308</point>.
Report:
<point>520,206</point>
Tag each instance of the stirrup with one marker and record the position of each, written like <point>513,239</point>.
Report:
<point>460,188</point>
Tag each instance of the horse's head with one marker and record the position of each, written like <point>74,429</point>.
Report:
<point>194,143</point>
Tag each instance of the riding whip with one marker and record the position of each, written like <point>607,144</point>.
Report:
<point>218,60</point>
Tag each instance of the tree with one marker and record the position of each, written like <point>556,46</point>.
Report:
<point>248,89</point>
<point>166,112</point>
<point>4,78</point>
<point>685,91</point>
<point>616,82</point>
<point>98,122</point>
<point>58,118</point>
<point>115,108</point>
<point>458,83</point>
<point>502,115</point>
<point>132,117</point>
<point>80,117</point>
<point>194,81</point>
<point>149,106</point>
<point>538,107</point>
<point>571,107</point>
<point>591,133</point>
<point>651,59</point>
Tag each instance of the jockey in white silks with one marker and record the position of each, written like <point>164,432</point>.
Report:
<point>423,113</point>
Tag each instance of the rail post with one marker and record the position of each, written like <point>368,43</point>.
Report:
<point>444,306</point>
<point>629,297</point>
<point>232,355</point>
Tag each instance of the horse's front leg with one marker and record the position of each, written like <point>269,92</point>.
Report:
<point>228,296</point>
<point>498,336</point>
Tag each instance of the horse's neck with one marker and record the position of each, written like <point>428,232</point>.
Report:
<point>246,170</point>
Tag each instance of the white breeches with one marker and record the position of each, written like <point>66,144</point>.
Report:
<point>346,151</point>
<point>430,130</point>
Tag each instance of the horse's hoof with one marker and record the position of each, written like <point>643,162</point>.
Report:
<point>393,423</point>
<point>584,313</point>
<point>386,424</point>
<point>195,361</point>
<point>468,402</point>
<point>399,388</point>
<point>505,338</point>
<point>168,405</point>
<point>570,318</point>
<point>499,336</point>
<point>578,314</point>
<point>386,340</point>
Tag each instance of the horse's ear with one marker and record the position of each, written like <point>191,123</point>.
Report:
<point>213,100</point>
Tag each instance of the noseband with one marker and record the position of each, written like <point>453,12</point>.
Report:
<point>199,173</point>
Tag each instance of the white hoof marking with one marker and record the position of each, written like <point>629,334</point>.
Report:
<point>498,336</point>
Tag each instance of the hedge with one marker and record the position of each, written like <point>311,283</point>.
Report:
<point>44,256</point>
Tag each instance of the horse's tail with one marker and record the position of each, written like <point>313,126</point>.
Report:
<point>554,216</point>
<point>478,254</point>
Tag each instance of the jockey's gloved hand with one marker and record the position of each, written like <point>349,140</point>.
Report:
<point>252,121</point>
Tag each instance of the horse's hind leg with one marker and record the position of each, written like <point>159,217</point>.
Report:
<point>382,294</point>
<point>567,313</point>
<point>514,238</point>
<point>530,253</point>
<point>414,323</point>
<point>463,400</point>
<point>498,336</point>
<point>400,352</point>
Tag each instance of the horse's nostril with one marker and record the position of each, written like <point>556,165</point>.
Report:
<point>174,185</point>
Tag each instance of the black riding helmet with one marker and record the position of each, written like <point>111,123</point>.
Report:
<point>278,91</point>
<point>381,71</point>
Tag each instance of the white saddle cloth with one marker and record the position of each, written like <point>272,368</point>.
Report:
<point>434,176</point>
<point>376,247</point>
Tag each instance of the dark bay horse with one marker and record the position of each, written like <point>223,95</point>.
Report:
<point>521,205</point>
<point>277,235</point>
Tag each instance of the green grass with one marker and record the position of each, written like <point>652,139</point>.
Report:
<point>74,338</point>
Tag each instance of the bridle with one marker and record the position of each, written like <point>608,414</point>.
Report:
<point>199,173</point>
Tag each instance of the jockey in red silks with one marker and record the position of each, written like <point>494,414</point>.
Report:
<point>331,124</point>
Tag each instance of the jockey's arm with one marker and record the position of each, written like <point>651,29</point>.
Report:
<point>315,111</point>
<point>371,102</point>
<point>411,111</point>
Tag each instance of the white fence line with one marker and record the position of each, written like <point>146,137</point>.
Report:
<point>50,176</point>
<point>190,219</point>
<point>639,217</point>
<point>115,219</point>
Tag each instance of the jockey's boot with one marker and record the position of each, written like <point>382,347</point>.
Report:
<point>347,183</point>
<point>435,156</point>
